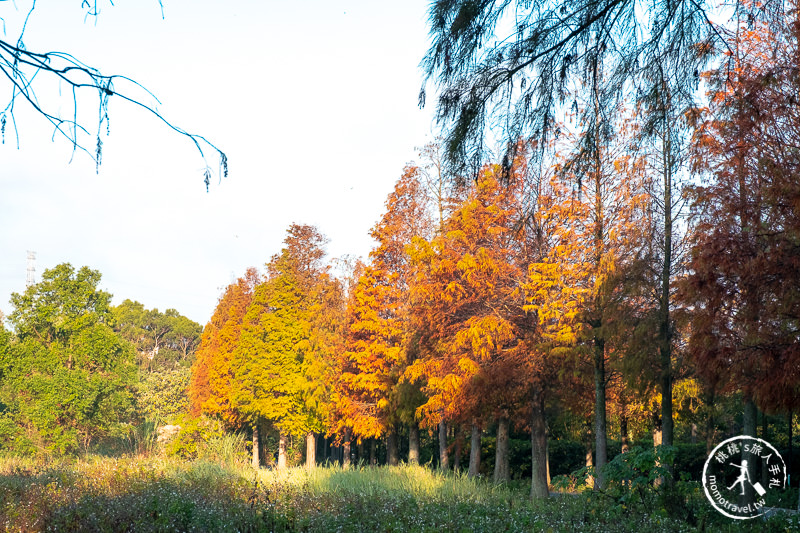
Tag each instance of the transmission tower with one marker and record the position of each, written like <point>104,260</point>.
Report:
<point>31,278</point>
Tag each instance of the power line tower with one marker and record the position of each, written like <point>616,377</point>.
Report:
<point>31,278</point>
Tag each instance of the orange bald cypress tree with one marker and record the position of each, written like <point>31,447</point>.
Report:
<point>210,385</point>
<point>468,300</point>
<point>379,334</point>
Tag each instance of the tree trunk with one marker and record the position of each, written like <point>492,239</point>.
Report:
<point>539,485</point>
<point>623,432</point>
<point>413,443</point>
<point>346,448</point>
<point>373,452</point>
<point>749,418</point>
<point>256,463</point>
<point>599,341</point>
<point>360,451</point>
<point>587,442</point>
<point>658,429</point>
<point>749,425</point>
<point>710,429</point>
<point>501,472</point>
<point>658,436</point>
<point>392,457</point>
<point>459,444</point>
<point>664,327</point>
<point>444,462</point>
<point>601,442</point>
<point>282,451</point>
<point>475,451</point>
<point>311,450</point>
<point>547,455</point>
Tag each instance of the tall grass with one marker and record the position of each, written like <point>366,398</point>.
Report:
<point>157,494</point>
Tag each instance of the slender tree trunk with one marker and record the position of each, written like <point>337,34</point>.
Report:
<point>458,446</point>
<point>589,455</point>
<point>749,418</point>
<point>658,430</point>
<point>664,327</point>
<point>623,432</point>
<point>413,443</point>
<point>693,438</point>
<point>539,483</point>
<point>360,450</point>
<point>710,424</point>
<point>444,462</point>
<point>282,451</point>
<point>392,457</point>
<point>658,440</point>
<point>501,471</point>
<point>346,448</point>
<point>475,451</point>
<point>749,426</point>
<point>373,452</point>
<point>599,341</point>
<point>600,435</point>
<point>547,455</point>
<point>311,450</point>
<point>256,463</point>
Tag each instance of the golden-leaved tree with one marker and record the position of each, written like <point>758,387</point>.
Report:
<point>276,348</point>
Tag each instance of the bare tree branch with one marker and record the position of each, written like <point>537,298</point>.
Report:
<point>23,67</point>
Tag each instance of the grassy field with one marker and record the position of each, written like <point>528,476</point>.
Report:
<point>151,494</point>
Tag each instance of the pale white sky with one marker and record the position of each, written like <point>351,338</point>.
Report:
<point>315,103</point>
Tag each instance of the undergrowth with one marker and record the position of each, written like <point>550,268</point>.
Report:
<point>156,494</point>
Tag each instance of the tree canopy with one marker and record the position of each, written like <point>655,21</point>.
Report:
<point>67,378</point>
<point>513,67</point>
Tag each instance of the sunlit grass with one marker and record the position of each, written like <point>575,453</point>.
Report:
<point>157,494</point>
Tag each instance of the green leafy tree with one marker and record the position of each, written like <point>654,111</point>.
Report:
<point>162,340</point>
<point>68,379</point>
<point>162,395</point>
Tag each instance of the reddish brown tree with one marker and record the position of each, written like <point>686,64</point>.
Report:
<point>745,266</point>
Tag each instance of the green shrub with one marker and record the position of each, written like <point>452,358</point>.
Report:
<point>194,436</point>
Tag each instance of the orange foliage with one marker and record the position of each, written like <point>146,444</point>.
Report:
<point>210,386</point>
<point>467,302</point>
<point>379,334</point>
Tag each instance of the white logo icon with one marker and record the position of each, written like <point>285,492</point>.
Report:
<point>731,476</point>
